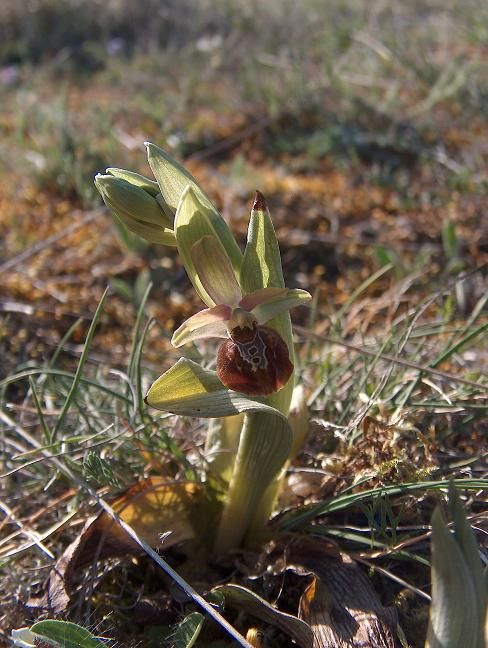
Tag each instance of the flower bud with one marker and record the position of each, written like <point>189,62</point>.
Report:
<point>135,205</point>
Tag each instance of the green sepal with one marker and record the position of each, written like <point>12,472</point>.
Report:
<point>138,210</point>
<point>190,390</point>
<point>131,201</point>
<point>194,220</point>
<point>171,177</point>
<point>151,233</point>
<point>136,179</point>
<point>261,268</point>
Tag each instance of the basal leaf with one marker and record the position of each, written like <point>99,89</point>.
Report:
<point>188,630</point>
<point>451,624</point>
<point>245,600</point>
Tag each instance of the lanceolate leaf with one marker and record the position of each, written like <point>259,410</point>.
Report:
<point>190,390</point>
<point>454,614</point>
<point>187,632</point>
<point>195,218</point>
<point>467,543</point>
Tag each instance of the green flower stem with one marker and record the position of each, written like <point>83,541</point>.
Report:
<point>254,485</point>
<point>265,444</point>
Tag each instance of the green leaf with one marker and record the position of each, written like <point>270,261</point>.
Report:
<point>195,219</point>
<point>466,541</point>
<point>261,264</point>
<point>188,630</point>
<point>454,617</point>
<point>261,268</point>
<point>190,390</point>
<point>64,634</point>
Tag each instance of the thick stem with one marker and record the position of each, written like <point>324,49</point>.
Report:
<point>264,446</point>
<point>298,420</point>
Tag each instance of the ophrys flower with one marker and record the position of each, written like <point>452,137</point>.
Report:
<point>254,359</point>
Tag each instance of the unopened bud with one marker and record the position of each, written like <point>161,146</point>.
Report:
<point>133,199</point>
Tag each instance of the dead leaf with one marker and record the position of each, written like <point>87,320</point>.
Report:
<point>151,507</point>
<point>340,604</point>
<point>349,616</point>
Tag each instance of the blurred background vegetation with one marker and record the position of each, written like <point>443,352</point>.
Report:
<point>388,83</point>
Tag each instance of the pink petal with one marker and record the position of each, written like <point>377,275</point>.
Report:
<point>270,302</point>
<point>257,297</point>
<point>210,322</point>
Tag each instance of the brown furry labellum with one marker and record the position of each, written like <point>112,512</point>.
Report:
<point>254,361</point>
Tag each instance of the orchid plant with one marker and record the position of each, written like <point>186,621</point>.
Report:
<point>247,306</point>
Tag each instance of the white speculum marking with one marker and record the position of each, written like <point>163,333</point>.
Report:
<point>253,352</point>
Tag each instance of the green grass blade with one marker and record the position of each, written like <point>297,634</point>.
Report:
<point>341,502</point>
<point>81,364</point>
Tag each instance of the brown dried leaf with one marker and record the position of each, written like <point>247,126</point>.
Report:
<point>151,507</point>
<point>340,604</point>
